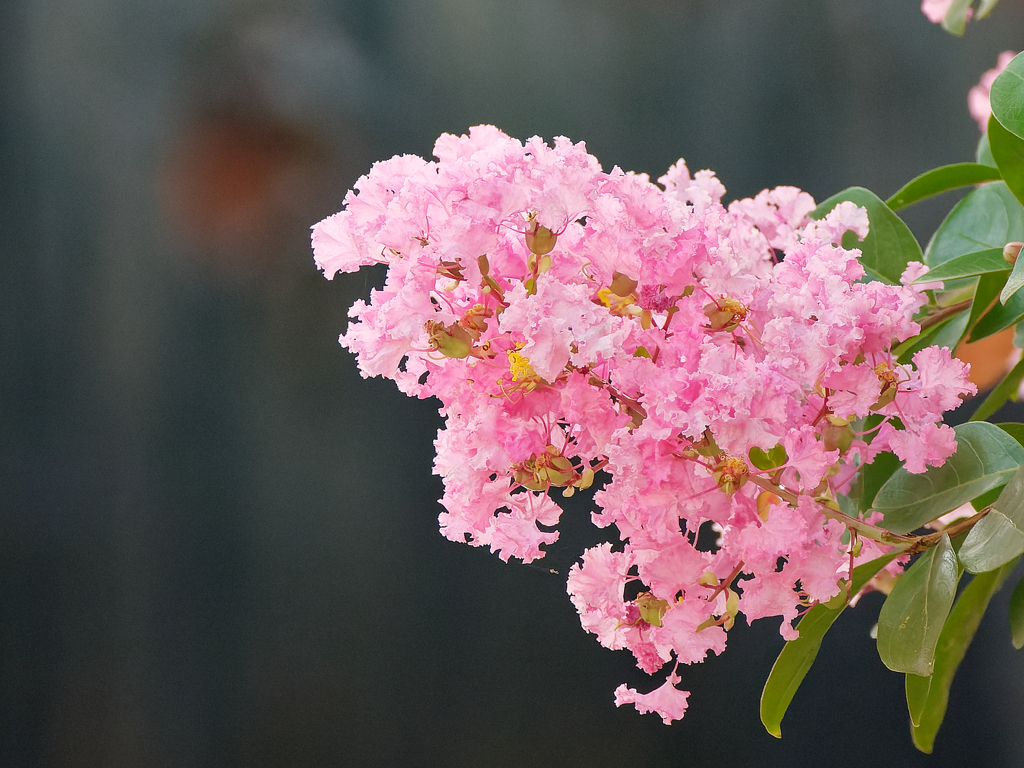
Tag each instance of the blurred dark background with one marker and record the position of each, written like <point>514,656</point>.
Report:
<point>218,545</point>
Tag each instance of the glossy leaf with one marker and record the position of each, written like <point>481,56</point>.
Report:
<point>798,655</point>
<point>1017,615</point>
<point>986,457</point>
<point>927,697</point>
<point>998,537</point>
<point>988,217</point>
<point>912,616</point>
<point>968,265</point>
<point>1006,389</point>
<point>1008,152</point>
<point>889,245</point>
<point>939,180</point>
<point>1007,97</point>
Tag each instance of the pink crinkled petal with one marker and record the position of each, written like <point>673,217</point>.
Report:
<point>668,701</point>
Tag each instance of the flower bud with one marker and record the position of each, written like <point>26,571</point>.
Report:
<point>450,340</point>
<point>730,474</point>
<point>622,285</point>
<point>1011,251</point>
<point>651,608</point>
<point>725,314</point>
<point>539,239</point>
<point>838,436</point>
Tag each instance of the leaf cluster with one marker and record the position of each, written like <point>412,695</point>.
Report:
<point>930,617</point>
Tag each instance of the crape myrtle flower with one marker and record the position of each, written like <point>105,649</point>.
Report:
<point>712,364</point>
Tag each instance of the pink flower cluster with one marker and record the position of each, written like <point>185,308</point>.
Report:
<point>588,328</point>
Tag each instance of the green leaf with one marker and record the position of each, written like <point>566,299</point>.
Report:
<point>1014,430</point>
<point>1017,615</point>
<point>988,217</point>
<point>986,457</point>
<point>968,265</point>
<point>912,616</point>
<point>889,245</point>
<point>939,180</point>
<point>1008,152</point>
<point>798,655</point>
<point>984,152</point>
<point>999,317</point>
<point>955,20</point>
<point>998,537</point>
<point>1006,389</point>
<point>927,697</point>
<point>1007,97</point>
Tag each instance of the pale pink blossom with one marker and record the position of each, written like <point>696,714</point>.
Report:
<point>583,328</point>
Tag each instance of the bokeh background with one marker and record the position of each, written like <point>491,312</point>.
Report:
<point>218,544</point>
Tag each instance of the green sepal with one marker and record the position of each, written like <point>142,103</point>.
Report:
<point>772,459</point>
<point>760,459</point>
<point>778,455</point>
